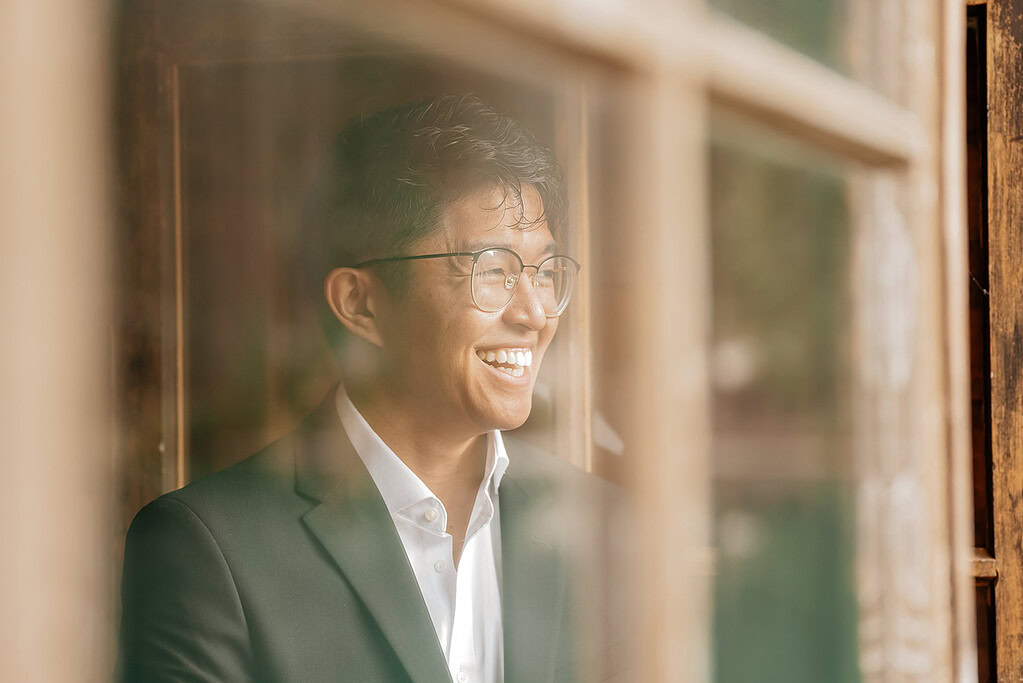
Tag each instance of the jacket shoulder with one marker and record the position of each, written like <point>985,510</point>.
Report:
<point>268,472</point>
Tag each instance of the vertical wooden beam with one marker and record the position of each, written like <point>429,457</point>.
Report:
<point>955,267</point>
<point>933,423</point>
<point>177,299</point>
<point>878,247</point>
<point>572,142</point>
<point>56,468</point>
<point>914,531</point>
<point>1005,264</point>
<point>668,432</point>
<point>147,275</point>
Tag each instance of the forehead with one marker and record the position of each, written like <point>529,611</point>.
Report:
<point>494,217</point>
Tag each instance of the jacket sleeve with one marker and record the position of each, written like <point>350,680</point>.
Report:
<point>182,617</point>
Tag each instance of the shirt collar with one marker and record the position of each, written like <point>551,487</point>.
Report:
<point>497,460</point>
<point>399,486</point>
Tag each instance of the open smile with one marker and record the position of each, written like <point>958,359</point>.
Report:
<point>509,363</point>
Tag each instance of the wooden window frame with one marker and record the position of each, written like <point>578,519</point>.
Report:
<point>679,61</point>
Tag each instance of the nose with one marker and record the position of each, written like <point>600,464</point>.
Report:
<point>525,307</point>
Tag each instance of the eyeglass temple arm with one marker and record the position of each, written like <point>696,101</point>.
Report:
<point>413,258</point>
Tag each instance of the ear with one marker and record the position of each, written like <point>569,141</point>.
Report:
<point>356,296</point>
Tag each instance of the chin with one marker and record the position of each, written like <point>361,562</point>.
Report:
<point>506,420</point>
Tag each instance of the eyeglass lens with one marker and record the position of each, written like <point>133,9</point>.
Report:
<point>497,272</point>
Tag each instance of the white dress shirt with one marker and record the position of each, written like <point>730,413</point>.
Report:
<point>465,605</point>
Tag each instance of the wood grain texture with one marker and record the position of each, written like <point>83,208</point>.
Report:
<point>909,560</point>
<point>1005,263</point>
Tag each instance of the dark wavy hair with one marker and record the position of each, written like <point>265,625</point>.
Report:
<point>391,173</point>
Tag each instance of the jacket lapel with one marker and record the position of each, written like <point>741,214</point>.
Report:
<point>533,580</point>
<point>352,523</point>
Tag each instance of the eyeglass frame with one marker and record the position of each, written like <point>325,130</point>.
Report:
<point>475,257</point>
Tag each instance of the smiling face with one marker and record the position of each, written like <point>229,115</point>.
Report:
<point>442,353</point>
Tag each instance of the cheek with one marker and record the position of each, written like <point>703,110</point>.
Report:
<point>454,340</point>
<point>547,334</point>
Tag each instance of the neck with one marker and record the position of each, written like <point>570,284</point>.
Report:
<point>449,463</point>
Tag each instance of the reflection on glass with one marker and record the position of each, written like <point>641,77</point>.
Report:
<point>785,607</point>
<point>301,157</point>
<point>814,27</point>
<point>840,34</point>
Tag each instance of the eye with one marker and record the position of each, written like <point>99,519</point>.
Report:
<point>494,275</point>
<point>546,275</point>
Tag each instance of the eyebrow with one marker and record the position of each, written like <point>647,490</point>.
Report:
<point>550,248</point>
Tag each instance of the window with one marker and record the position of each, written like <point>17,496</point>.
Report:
<point>763,349</point>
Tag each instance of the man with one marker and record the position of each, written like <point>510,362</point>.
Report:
<point>395,535</point>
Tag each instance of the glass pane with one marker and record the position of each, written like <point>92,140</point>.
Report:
<point>785,607</point>
<point>844,35</point>
<point>272,157</point>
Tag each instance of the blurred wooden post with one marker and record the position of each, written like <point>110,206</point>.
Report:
<point>55,427</point>
<point>669,428</point>
<point>952,47</point>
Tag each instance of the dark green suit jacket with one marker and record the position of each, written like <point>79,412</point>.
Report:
<point>287,567</point>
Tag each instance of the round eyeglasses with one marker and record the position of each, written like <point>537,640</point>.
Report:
<point>496,272</point>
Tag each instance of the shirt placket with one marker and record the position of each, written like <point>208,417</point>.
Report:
<point>463,660</point>
<point>435,572</point>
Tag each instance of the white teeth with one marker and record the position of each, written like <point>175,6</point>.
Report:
<point>519,358</point>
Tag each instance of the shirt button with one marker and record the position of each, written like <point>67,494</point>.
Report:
<point>431,514</point>
<point>440,565</point>
<point>462,677</point>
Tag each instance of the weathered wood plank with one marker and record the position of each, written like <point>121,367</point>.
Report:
<point>1005,264</point>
